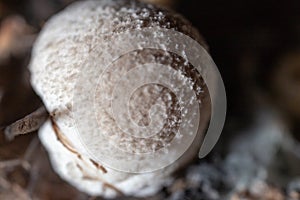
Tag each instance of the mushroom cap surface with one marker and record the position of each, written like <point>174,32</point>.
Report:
<point>70,42</point>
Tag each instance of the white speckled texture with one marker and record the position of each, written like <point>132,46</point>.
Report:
<point>67,41</point>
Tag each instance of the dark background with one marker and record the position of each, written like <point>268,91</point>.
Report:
<point>247,40</point>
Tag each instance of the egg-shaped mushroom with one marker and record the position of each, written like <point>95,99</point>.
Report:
<point>69,56</point>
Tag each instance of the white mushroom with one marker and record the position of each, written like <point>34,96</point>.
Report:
<point>72,46</point>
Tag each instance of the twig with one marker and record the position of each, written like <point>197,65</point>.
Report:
<point>28,124</point>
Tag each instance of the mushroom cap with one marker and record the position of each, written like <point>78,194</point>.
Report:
<point>70,43</point>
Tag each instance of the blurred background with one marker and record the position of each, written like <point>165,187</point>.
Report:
<point>255,44</point>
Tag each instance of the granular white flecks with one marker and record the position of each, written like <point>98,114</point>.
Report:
<point>68,43</point>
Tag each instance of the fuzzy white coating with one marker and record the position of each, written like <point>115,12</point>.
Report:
<point>68,41</point>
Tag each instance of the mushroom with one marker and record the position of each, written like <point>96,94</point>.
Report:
<point>69,57</point>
